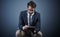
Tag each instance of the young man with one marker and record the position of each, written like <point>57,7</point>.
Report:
<point>29,18</point>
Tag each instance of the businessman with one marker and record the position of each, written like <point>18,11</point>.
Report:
<point>29,18</point>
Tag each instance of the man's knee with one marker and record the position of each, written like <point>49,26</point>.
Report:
<point>19,33</point>
<point>40,33</point>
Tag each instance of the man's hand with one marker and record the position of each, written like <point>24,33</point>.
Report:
<point>25,27</point>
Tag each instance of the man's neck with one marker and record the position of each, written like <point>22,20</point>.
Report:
<point>30,13</point>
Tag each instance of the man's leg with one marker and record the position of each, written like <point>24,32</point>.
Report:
<point>20,33</point>
<point>39,34</point>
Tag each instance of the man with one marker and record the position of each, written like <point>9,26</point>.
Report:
<point>29,18</point>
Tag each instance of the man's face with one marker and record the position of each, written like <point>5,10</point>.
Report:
<point>30,9</point>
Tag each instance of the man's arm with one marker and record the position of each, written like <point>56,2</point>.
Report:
<point>37,27</point>
<point>21,22</point>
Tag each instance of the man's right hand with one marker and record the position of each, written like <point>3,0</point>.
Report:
<point>25,27</point>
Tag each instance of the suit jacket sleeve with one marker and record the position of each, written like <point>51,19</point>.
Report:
<point>20,25</point>
<point>37,27</point>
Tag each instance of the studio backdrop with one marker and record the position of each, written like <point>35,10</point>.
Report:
<point>10,11</point>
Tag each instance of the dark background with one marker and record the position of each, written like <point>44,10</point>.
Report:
<point>10,10</point>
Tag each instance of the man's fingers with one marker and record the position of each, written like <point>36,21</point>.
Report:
<point>26,26</point>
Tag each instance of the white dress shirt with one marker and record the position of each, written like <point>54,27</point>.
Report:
<point>28,17</point>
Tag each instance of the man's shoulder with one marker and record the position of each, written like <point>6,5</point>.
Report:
<point>37,13</point>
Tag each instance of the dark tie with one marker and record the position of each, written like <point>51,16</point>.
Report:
<point>30,20</point>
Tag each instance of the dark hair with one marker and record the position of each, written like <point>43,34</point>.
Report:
<point>32,4</point>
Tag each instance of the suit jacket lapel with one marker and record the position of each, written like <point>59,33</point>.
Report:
<point>33,17</point>
<point>26,22</point>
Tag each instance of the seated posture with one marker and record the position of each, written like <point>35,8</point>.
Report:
<point>29,22</point>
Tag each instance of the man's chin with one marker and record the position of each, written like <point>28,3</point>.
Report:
<point>31,12</point>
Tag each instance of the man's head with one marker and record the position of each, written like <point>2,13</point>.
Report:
<point>31,6</point>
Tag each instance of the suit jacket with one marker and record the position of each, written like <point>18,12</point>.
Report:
<point>35,20</point>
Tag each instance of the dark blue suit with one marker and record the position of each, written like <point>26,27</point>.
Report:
<point>35,20</point>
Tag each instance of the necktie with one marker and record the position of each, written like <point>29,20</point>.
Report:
<point>30,20</point>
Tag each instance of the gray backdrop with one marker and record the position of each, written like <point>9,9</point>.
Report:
<point>10,10</point>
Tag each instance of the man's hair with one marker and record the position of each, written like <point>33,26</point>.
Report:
<point>32,4</point>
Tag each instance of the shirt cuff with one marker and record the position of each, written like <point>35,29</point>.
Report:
<point>23,28</point>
